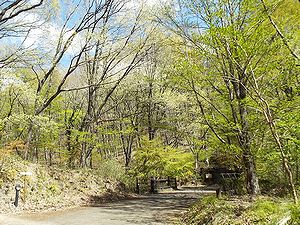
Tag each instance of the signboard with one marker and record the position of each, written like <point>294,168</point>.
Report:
<point>26,173</point>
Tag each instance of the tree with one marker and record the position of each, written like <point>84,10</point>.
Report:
<point>218,32</point>
<point>225,45</point>
<point>99,53</point>
<point>154,159</point>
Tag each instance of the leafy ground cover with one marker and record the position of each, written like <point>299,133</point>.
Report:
<point>57,188</point>
<point>241,211</point>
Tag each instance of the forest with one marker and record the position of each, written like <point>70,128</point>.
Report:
<point>164,88</point>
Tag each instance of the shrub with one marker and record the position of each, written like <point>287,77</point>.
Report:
<point>263,211</point>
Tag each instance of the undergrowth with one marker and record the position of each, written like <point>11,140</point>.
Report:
<point>55,187</point>
<point>241,211</point>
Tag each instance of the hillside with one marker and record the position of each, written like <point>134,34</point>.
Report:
<point>56,188</point>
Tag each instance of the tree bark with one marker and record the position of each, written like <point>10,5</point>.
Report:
<point>271,123</point>
<point>248,158</point>
<point>284,158</point>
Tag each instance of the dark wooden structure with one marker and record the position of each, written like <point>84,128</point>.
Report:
<point>162,183</point>
<point>154,184</point>
<point>225,178</point>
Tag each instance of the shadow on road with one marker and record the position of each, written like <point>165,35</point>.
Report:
<point>157,209</point>
<point>160,202</point>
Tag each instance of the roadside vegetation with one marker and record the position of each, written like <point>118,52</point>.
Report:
<point>242,211</point>
<point>57,188</point>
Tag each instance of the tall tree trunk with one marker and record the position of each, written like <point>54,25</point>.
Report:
<point>29,141</point>
<point>251,177</point>
<point>284,158</point>
<point>150,113</point>
<point>127,143</point>
<point>87,126</point>
<point>271,123</point>
<point>244,138</point>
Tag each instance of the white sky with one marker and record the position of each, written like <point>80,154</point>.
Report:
<point>150,3</point>
<point>48,33</point>
<point>46,36</point>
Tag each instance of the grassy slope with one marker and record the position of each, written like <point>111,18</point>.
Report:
<point>240,211</point>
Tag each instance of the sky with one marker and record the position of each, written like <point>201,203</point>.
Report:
<point>53,27</point>
<point>46,34</point>
<point>47,31</point>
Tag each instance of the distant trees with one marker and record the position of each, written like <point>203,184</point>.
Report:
<point>217,32</point>
<point>106,52</point>
<point>101,50</point>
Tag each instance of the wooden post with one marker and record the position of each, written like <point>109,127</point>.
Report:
<point>175,183</point>
<point>152,185</point>
<point>169,182</point>
<point>17,188</point>
<point>218,192</point>
<point>137,186</point>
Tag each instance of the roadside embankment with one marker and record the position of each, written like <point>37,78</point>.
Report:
<point>242,211</point>
<point>53,188</point>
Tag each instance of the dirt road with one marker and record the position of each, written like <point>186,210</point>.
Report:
<point>155,210</point>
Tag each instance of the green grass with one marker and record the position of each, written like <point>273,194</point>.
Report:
<point>241,211</point>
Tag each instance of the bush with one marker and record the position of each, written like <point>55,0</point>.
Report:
<point>156,159</point>
<point>111,169</point>
<point>206,211</point>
